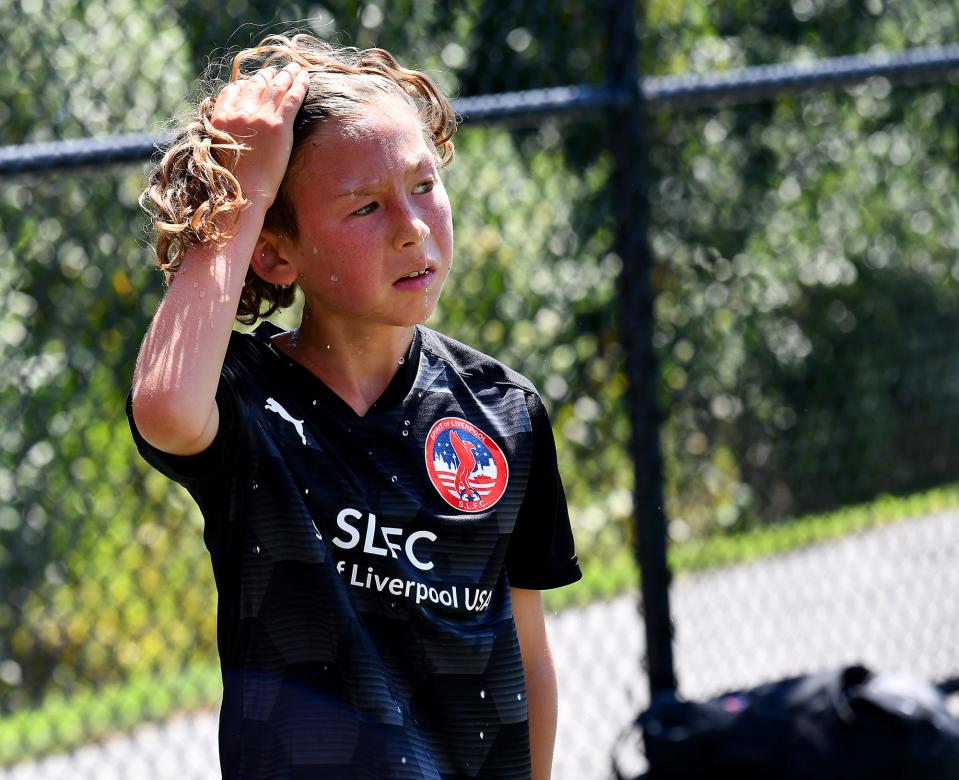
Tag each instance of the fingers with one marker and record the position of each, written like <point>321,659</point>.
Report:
<point>263,76</point>
<point>267,93</point>
<point>291,101</point>
<point>277,88</point>
<point>282,82</point>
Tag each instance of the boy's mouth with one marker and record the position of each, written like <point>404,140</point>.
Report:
<point>416,280</point>
<point>427,268</point>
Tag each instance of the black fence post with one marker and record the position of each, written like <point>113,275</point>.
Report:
<point>630,202</point>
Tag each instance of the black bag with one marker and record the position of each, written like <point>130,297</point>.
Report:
<point>848,725</point>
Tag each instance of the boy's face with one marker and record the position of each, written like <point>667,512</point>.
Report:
<point>372,214</point>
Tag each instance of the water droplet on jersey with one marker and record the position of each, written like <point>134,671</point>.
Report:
<point>407,422</point>
<point>406,433</point>
<point>369,452</point>
<point>319,537</point>
<point>314,402</point>
<point>402,360</point>
<point>314,250</point>
<point>307,491</point>
<point>403,760</point>
<point>393,478</point>
<point>482,735</point>
<point>195,285</point>
<point>334,278</point>
<point>202,293</point>
<point>255,486</point>
<point>257,549</point>
<point>519,697</point>
<point>482,694</point>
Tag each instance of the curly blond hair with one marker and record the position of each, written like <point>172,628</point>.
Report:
<point>192,195</point>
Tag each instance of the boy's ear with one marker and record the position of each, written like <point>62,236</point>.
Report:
<point>269,264</point>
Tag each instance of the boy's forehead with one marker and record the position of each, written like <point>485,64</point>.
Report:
<point>381,117</point>
<point>347,155</point>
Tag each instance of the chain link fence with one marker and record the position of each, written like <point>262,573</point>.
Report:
<point>805,269</point>
<point>806,325</point>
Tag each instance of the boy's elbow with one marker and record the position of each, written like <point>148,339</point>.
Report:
<point>171,425</point>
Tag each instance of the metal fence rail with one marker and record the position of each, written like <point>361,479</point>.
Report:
<point>755,84</point>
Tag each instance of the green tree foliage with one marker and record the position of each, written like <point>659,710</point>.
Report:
<point>80,526</point>
<point>807,270</point>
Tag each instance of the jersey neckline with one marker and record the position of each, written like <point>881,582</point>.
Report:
<point>395,393</point>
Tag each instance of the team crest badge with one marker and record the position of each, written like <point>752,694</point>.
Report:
<point>466,466</point>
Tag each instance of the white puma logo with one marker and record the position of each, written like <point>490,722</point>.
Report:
<point>274,406</point>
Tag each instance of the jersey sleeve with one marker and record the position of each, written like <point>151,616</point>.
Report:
<point>541,552</point>
<point>212,461</point>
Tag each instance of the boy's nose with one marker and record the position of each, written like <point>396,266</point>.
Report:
<point>414,231</point>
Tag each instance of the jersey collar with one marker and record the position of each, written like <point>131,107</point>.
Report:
<point>394,394</point>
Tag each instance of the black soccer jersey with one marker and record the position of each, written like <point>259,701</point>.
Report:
<point>363,563</point>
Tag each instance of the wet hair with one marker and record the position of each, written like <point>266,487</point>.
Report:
<point>192,195</point>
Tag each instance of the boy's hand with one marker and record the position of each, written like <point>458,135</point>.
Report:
<point>258,112</point>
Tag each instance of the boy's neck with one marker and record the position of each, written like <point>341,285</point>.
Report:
<point>357,364</point>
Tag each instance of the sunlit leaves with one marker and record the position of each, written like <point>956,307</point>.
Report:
<point>807,262</point>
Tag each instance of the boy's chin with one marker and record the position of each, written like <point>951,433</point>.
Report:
<point>430,301</point>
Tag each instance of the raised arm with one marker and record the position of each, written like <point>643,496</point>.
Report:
<point>178,369</point>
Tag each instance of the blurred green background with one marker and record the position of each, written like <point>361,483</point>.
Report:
<point>806,268</point>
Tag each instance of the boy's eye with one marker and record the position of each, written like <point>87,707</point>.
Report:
<point>424,186</point>
<point>369,208</point>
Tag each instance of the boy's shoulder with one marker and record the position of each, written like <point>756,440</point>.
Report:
<point>250,351</point>
<point>470,363</point>
<point>253,347</point>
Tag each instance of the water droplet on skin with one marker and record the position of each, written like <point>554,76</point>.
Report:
<point>406,433</point>
<point>393,478</point>
<point>402,360</point>
<point>482,694</point>
<point>314,250</point>
<point>334,278</point>
<point>419,395</point>
<point>327,346</point>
